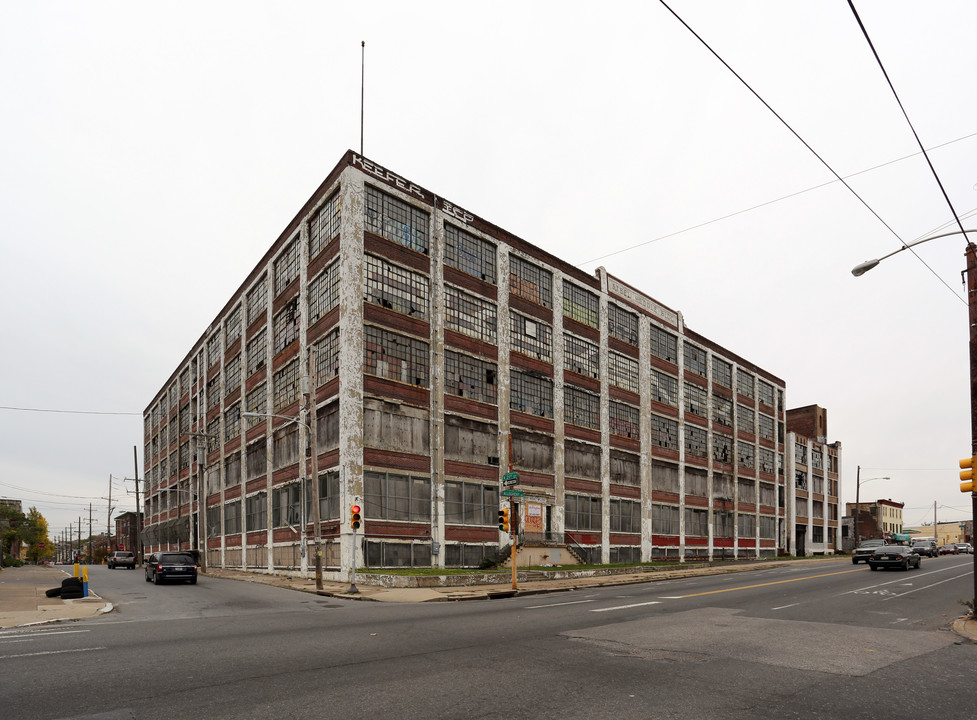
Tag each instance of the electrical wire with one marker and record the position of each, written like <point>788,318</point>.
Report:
<point>805,144</point>
<point>66,412</point>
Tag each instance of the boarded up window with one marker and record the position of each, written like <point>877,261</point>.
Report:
<point>532,451</point>
<point>471,441</point>
<point>664,476</point>
<point>625,468</point>
<point>582,460</point>
<point>395,427</point>
<point>327,426</point>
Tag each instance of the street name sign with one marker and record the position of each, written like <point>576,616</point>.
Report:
<point>510,479</point>
<point>509,492</point>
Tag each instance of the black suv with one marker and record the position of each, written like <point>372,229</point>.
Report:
<point>122,558</point>
<point>929,548</point>
<point>171,565</point>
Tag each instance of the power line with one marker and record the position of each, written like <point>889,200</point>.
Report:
<point>66,412</point>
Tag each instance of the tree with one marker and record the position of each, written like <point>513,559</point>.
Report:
<point>11,522</point>
<point>39,546</point>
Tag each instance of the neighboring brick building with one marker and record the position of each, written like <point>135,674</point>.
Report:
<point>439,352</point>
<point>879,518</point>
<point>814,465</point>
<point>126,536</point>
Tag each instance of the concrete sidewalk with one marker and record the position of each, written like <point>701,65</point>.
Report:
<point>23,600</point>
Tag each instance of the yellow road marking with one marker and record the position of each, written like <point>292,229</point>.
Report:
<point>775,582</point>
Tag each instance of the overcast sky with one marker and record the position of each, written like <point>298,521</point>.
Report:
<point>150,154</point>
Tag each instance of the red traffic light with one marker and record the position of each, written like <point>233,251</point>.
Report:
<point>355,508</point>
<point>354,517</point>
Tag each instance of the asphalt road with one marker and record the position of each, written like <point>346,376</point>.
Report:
<point>821,640</point>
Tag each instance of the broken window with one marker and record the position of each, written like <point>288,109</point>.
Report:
<point>256,351</point>
<point>396,220</point>
<point>765,461</point>
<point>664,388</point>
<point>745,453</point>
<point>324,226</point>
<point>324,292</point>
<point>664,432</point>
<point>722,372</point>
<point>695,399</point>
<point>232,375</point>
<point>765,426</point>
<point>467,376</point>
<point>722,448</point>
<point>470,315</point>
<point>232,422</point>
<point>530,394</point>
<point>232,326</point>
<point>469,254</point>
<point>664,345</point>
<point>581,356</point>
<point>287,265</point>
<point>530,281</point>
<point>531,337</point>
<point>396,288</point>
<point>286,388</point>
<point>581,408</point>
<point>286,326</point>
<point>622,371</point>
<point>696,440</point>
<point>326,355</point>
<point>623,420</point>
<point>395,357</point>
<point>765,392</point>
<point>257,299</point>
<point>744,383</point>
<point>622,324</point>
<point>745,419</point>
<point>722,410</point>
<point>695,359</point>
<point>581,305</point>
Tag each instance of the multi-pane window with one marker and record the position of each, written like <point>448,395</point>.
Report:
<point>722,372</point>
<point>530,337</point>
<point>232,326</point>
<point>397,288</point>
<point>256,517</point>
<point>623,420</point>
<point>213,390</point>
<point>326,357</point>
<point>695,399</point>
<point>696,482</point>
<point>232,375</point>
<point>582,512</point>
<point>285,446</point>
<point>664,432</point>
<point>328,495</point>
<point>469,377</point>
<point>256,401</point>
<point>396,220</point>
<point>745,453</point>
<point>664,477</point>
<point>390,496</point>
<point>324,226</point>
<point>696,439</point>
<point>581,408</point>
<point>746,490</point>
<point>765,426</point>
<point>622,324</point>
<point>469,254</point>
<point>745,525</point>
<point>232,517</point>
<point>286,386</point>
<point>468,503</point>
<point>530,394</point>
<point>664,388</point>
<point>256,460</point>
<point>800,479</point>
<point>286,326</point>
<point>530,281</point>
<point>395,357</point>
<point>765,462</point>
<point>580,356</point>
<point>257,347</point>
<point>768,527</point>
<point>765,392</point>
<point>722,448</point>
<point>800,453</point>
<point>744,383</point>
<point>470,315</point>
<point>664,345</point>
<point>287,265</point>
<point>625,516</point>
<point>745,419</point>
<point>286,505</point>
<point>817,459</point>
<point>213,434</point>
<point>695,359</point>
<point>622,371</point>
<point>232,422</point>
<point>257,300</point>
<point>213,355</point>
<point>768,494</point>
<point>723,486</point>
<point>665,519</point>
<point>722,410</point>
<point>185,421</point>
<point>214,521</point>
<point>581,305</point>
<point>696,522</point>
<point>324,292</point>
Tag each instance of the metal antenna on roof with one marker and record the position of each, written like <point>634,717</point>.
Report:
<point>362,75</point>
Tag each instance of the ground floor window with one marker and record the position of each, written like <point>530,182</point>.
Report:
<point>394,554</point>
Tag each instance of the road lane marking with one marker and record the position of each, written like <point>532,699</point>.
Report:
<point>926,587</point>
<point>774,582</point>
<point>51,652</point>
<point>625,607</point>
<point>784,607</point>
<point>572,602</point>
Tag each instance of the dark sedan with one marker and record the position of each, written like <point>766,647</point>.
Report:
<point>900,556</point>
<point>163,566</point>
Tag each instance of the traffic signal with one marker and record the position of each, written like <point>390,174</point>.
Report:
<point>354,517</point>
<point>967,474</point>
<point>504,519</point>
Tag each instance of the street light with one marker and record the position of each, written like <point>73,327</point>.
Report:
<point>858,505</point>
<point>971,253</point>
<point>315,488</point>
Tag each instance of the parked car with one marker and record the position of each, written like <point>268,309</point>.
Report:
<point>887,556</point>
<point>929,548</point>
<point>964,548</point>
<point>165,565</point>
<point>948,550</point>
<point>122,558</point>
<point>863,551</point>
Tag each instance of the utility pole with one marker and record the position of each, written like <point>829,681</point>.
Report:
<point>90,555</point>
<point>138,550</point>
<point>108,520</point>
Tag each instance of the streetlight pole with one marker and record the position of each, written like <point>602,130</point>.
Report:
<point>317,534</point>
<point>971,255</point>
<point>858,504</point>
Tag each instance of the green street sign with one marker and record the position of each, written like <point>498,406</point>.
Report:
<point>509,492</point>
<point>510,479</point>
